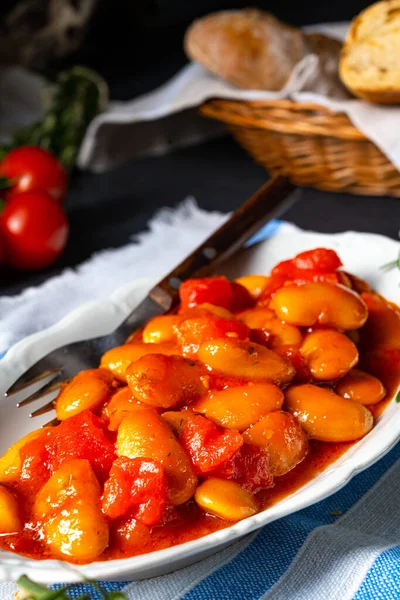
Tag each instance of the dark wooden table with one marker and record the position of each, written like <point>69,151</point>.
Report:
<point>106,210</point>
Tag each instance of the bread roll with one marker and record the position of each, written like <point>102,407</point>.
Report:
<point>249,48</point>
<point>370,61</point>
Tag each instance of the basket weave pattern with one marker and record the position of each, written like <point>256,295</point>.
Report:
<point>309,143</point>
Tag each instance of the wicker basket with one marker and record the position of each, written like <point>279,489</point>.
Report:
<point>311,144</point>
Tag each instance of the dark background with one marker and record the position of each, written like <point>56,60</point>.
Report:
<point>137,42</point>
<point>137,46</point>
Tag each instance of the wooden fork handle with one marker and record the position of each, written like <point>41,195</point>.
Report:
<point>242,225</point>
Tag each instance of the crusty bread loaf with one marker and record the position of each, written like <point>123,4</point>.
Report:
<point>249,48</point>
<point>370,61</point>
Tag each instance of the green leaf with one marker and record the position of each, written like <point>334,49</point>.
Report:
<point>398,397</point>
<point>60,594</point>
<point>106,595</point>
<point>36,591</point>
<point>79,95</point>
<point>394,264</point>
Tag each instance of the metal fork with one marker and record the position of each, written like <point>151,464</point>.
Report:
<point>63,363</point>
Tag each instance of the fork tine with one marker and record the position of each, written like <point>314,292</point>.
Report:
<point>32,375</point>
<point>52,423</point>
<point>43,409</point>
<point>45,389</point>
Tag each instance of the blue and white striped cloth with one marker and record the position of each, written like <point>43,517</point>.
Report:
<point>346,547</point>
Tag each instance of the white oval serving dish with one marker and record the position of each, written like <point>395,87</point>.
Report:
<point>362,254</point>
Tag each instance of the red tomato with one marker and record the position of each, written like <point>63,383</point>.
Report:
<point>136,485</point>
<point>320,264</point>
<point>304,276</point>
<point>83,436</point>
<point>32,168</point>
<point>208,446</point>
<point>242,298</point>
<point>249,467</point>
<point>212,290</point>
<point>317,260</point>
<point>201,325</point>
<point>320,259</point>
<point>285,269</point>
<point>274,283</point>
<point>34,230</point>
<point>80,436</point>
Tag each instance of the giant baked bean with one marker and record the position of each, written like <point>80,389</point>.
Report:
<point>160,329</point>
<point>165,381</point>
<point>121,403</point>
<point>329,354</point>
<point>241,406</point>
<point>326,416</point>
<point>146,435</point>
<point>10,517</point>
<point>254,284</point>
<point>10,462</point>
<point>284,438</point>
<point>246,359</point>
<point>225,499</point>
<point>256,318</point>
<point>87,390</point>
<point>383,325</point>
<point>69,505</point>
<point>324,303</point>
<point>361,387</point>
<point>118,359</point>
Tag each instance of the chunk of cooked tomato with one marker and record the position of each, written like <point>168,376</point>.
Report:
<point>165,381</point>
<point>249,467</point>
<point>320,259</point>
<point>299,276</point>
<point>316,265</point>
<point>80,436</point>
<point>36,462</point>
<point>137,486</point>
<point>83,436</point>
<point>207,445</point>
<point>200,326</point>
<point>212,290</point>
<point>242,298</point>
